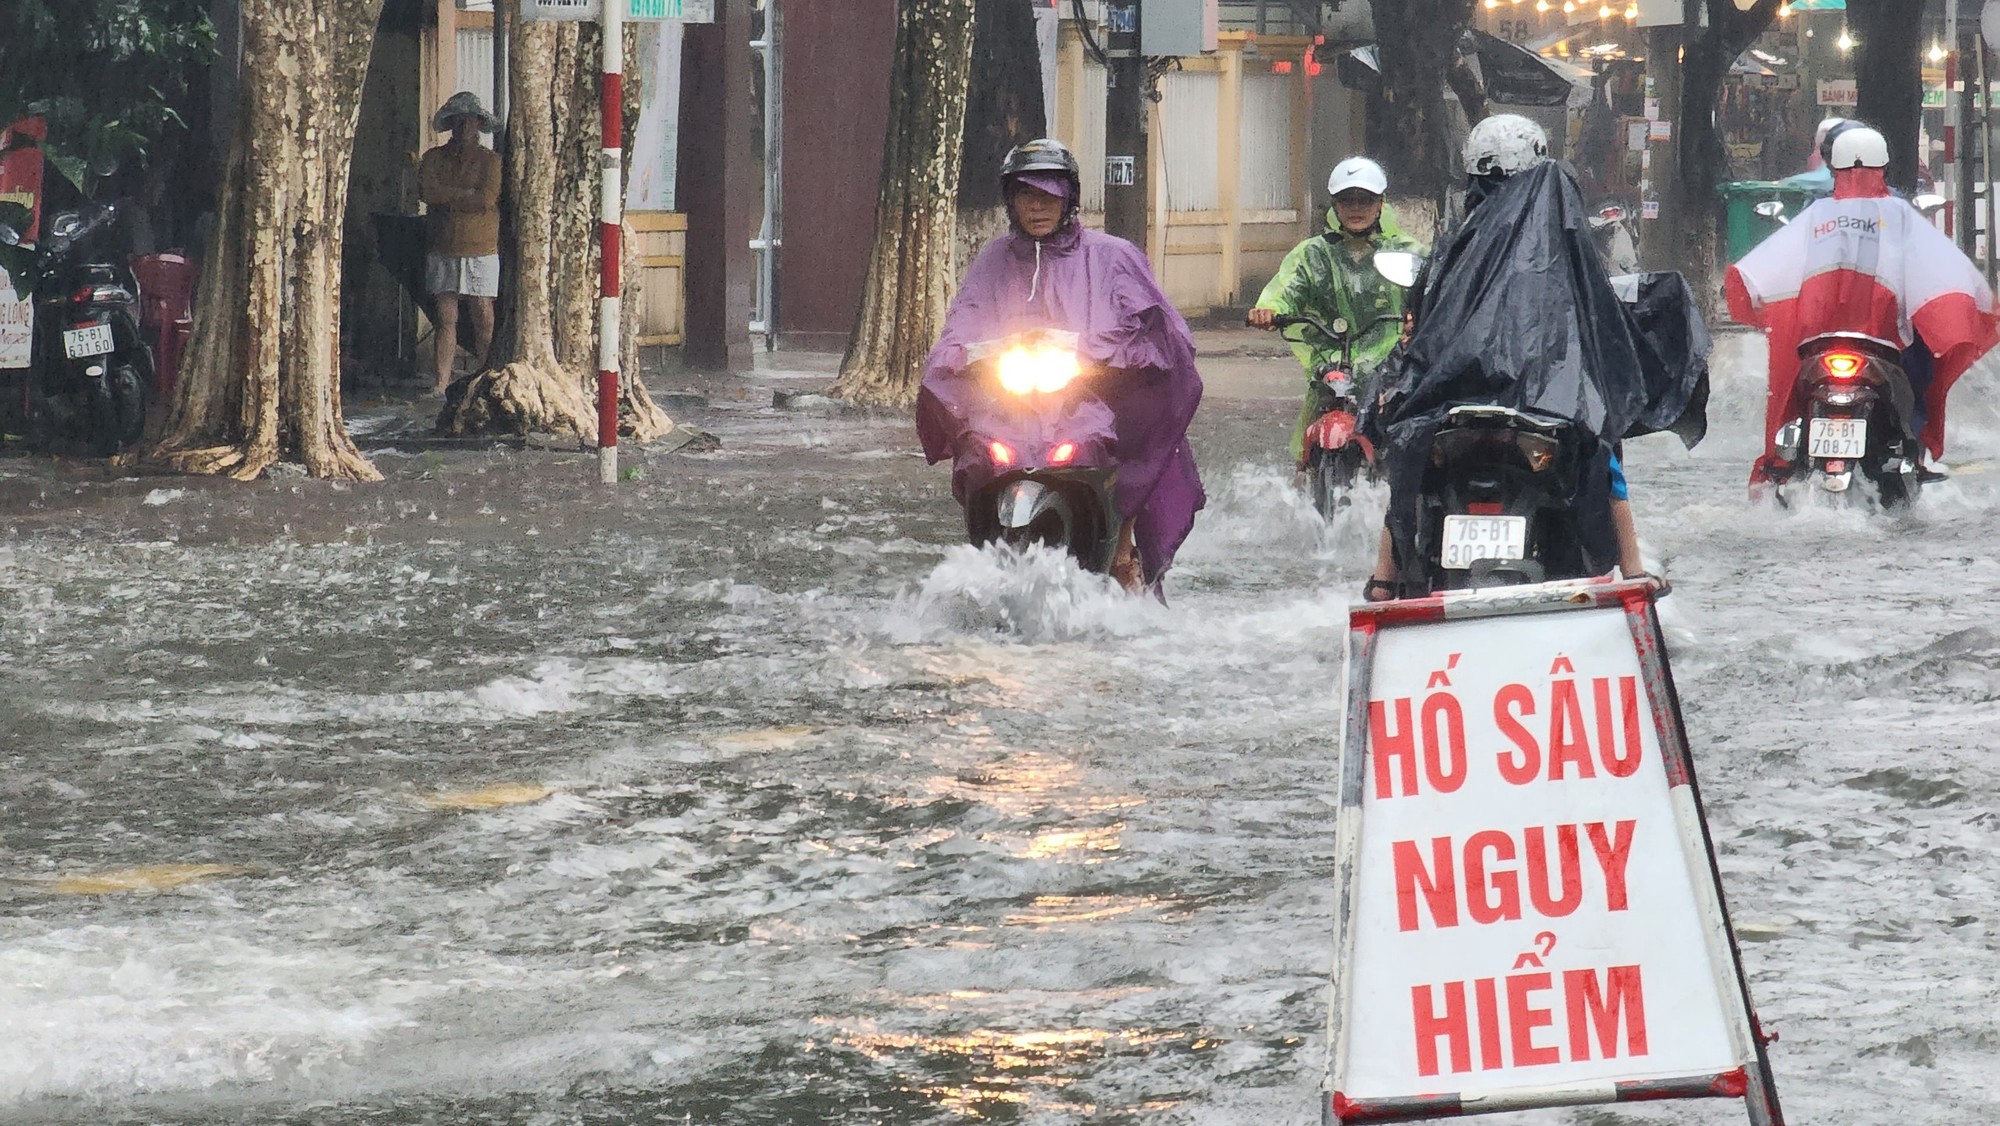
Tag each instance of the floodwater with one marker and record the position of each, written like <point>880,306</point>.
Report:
<point>740,794</point>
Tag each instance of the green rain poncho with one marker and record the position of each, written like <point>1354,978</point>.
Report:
<point>1328,276</point>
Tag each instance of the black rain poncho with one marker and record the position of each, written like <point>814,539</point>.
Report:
<point>1516,310</point>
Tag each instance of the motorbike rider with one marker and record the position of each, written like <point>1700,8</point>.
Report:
<point>1049,271</point>
<point>1505,155</point>
<point>1862,260</point>
<point>1332,275</point>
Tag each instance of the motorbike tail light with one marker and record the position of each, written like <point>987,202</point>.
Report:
<point>1539,449</point>
<point>1063,454</point>
<point>1003,454</point>
<point>1842,365</point>
<point>101,295</point>
<point>1484,508</point>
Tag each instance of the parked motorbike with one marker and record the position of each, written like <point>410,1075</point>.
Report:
<point>1037,465</point>
<point>1859,416</point>
<point>1495,508</point>
<point>1335,454</point>
<point>1611,230</point>
<point>92,371</point>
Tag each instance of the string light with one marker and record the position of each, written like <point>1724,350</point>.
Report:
<point>1937,52</point>
<point>1631,11</point>
<point>1845,42</point>
<point>1604,11</point>
<point>1541,5</point>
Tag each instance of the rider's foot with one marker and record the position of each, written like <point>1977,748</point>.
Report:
<point>1379,590</point>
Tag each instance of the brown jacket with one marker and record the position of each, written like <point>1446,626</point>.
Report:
<point>462,189</point>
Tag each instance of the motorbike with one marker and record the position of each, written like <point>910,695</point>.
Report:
<point>1858,416</point>
<point>1037,464</point>
<point>1495,507</point>
<point>1611,230</point>
<point>1335,454</point>
<point>92,370</point>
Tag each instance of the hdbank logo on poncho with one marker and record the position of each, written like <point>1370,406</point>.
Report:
<point>1847,223</point>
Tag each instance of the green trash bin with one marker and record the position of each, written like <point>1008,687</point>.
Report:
<point>1743,227</point>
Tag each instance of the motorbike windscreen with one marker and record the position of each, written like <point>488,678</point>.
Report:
<point>1516,311</point>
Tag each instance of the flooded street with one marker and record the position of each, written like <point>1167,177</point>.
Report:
<point>745,793</point>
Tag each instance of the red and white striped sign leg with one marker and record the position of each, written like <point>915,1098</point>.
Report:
<point>611,212</point>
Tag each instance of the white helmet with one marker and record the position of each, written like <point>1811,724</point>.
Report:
<point>1819,134</point>
<point>1357,172</point>
<point>1859,148</point>
<point>1504,144</point>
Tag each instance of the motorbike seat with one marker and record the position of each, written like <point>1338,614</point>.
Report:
<point>1487,417</point>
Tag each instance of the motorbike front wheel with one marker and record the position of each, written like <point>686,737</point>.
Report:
<point>1331,478</point>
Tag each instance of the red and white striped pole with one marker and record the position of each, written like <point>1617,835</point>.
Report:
<point>611,212</point>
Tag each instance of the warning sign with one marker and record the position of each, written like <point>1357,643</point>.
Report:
<point>1531,917</point>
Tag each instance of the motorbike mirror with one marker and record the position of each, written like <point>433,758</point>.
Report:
<point>1339,326</point>
<point>9,236</point>
<point>1928,202</point>
<point>1399,266</point>
<point>103,164</point>
<point>1770,209</point>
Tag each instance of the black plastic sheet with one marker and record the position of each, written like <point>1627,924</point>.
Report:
<point>1515,310</point>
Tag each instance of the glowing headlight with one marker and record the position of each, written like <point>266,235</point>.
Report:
<point>1037,369</point>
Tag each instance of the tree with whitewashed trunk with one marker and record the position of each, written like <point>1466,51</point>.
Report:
<point>261,382</point>
<point>542,373</point>
<point>911,269</point>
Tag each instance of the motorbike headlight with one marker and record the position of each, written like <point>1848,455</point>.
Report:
<point>66,224</point>
<point>1023,370</point>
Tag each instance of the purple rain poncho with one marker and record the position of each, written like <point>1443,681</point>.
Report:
<point>1101,288</point>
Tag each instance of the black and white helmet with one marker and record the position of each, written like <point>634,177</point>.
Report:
<point>1504,144</point>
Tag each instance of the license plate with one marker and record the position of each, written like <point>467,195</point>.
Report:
<point>1837,437</point>
<point>87,340</point>
<point>1470,538</point>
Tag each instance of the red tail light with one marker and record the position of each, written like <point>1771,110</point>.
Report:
<point>1842,365</point>
<point>1003,454</point>
<point>1063,454</point>
<point>1477,508</point>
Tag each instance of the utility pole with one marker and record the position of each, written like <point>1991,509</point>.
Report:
<point>1125,156</point>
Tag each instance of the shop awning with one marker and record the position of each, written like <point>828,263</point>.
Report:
<point>1513,75</point>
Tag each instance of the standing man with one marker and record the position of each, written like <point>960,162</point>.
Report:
<point>459,182</point>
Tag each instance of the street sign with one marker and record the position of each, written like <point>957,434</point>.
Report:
<point>688,11</point>
<point>1529,911</point>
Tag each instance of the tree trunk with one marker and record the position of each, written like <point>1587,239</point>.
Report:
<point>1409,127</point>
<point>262,380</point>
<point>1700,156</point>
<point>1003,107</point>
<point>542,376</point>
<point>910,271</point>
<point>1888,74</point>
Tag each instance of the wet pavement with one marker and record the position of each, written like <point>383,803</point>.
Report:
<point>743,793</point>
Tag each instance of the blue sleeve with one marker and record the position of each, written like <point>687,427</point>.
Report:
<point>1618,489</point>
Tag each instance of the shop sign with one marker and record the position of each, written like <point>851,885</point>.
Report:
<point>1838,92</point>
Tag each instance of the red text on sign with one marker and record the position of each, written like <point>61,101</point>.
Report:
<point>1519,1021</point>
<point>1485,874</point>
<point>1574,745</point>
<point>1442,725</point>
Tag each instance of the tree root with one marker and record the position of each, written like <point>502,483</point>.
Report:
<point>524,398</point>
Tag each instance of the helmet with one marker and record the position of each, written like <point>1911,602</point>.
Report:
<point>1357,172</point>
<point>1860,147</point>
<point>1819,134</point>
<point>1830,131</point>
<point>1046,155</point>
<point>1504,144</point>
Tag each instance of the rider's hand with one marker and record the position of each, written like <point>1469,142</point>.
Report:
<point>1260,318</point>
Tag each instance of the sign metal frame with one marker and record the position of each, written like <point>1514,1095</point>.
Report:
<point>1750,1081</point>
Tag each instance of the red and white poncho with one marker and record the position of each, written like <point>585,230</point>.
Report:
<point>1863,261</point>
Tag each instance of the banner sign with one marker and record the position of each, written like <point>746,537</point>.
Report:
<point>17,326</point>
<point>1530,913</point>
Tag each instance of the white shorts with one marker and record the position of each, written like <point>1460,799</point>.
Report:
<point>472,277</point>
